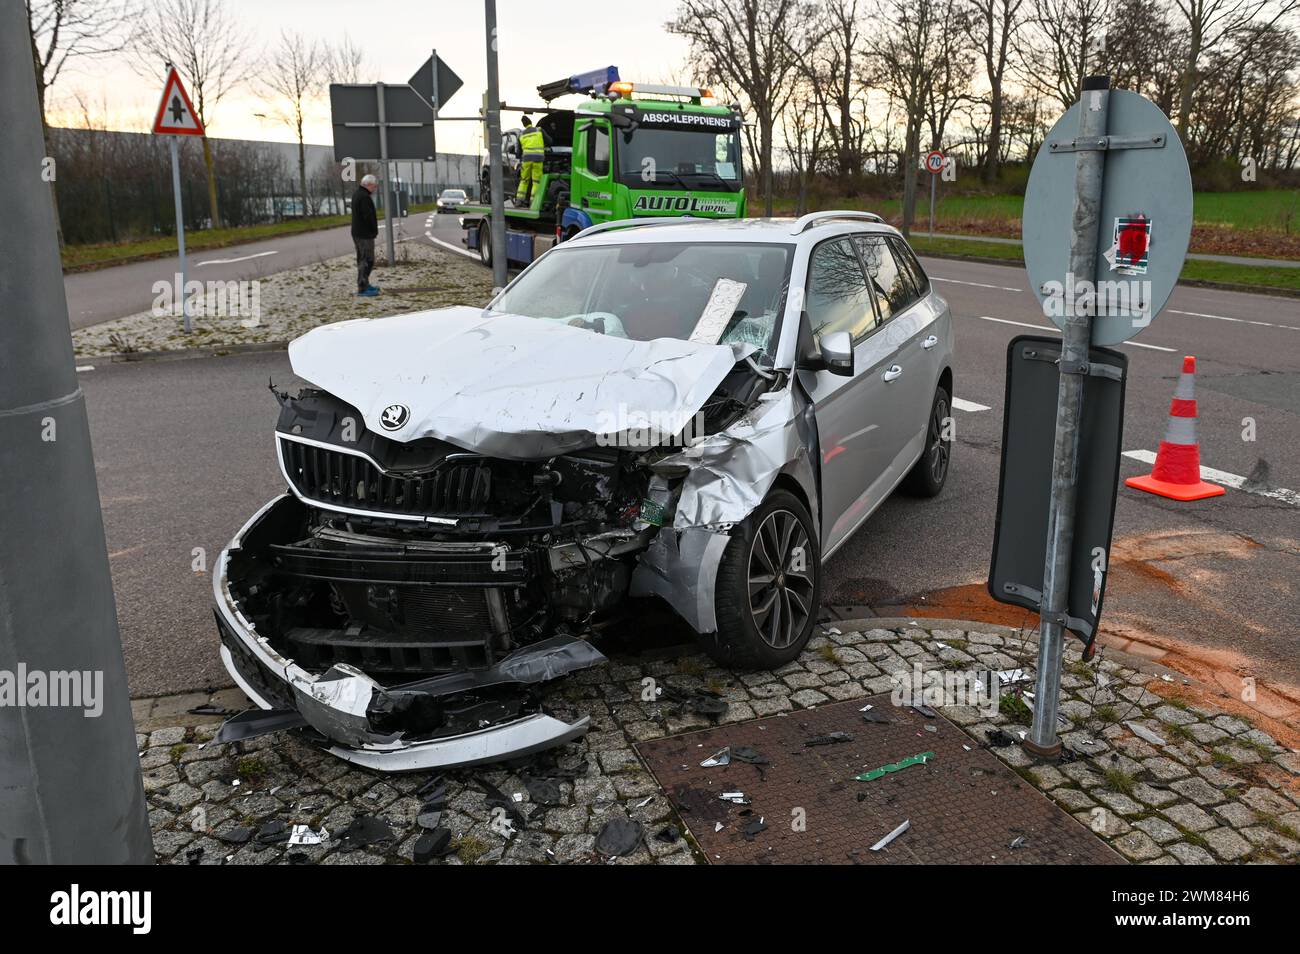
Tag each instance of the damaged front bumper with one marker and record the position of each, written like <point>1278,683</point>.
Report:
<point>456,719</point>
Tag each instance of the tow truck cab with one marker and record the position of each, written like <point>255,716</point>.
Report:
<point>629,150</point>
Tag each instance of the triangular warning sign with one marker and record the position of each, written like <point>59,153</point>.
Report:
<point>175,114</point>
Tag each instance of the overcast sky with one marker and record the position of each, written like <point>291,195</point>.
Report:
<point>538,42</point>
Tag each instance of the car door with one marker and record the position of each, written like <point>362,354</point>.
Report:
<point>908,335</point>
<point>592,180</point>
<point>854,446</point>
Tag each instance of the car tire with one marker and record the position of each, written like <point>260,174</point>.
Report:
<point>485,244</point>
<point>930,472</point>
<point>749,637</point>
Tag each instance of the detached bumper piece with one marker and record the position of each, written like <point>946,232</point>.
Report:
<point>486,706</point>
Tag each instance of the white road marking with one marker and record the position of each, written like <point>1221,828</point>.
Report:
<point>447,245</point>
<point>955,281</point>
<point>1226,479</point>
<point>85,367</point>
<point>231,261</point>
<point>959,405</point>
<point>1056,330</point>
<point>1242,321</point>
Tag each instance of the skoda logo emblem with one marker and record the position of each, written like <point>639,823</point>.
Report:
<point>394,416</point>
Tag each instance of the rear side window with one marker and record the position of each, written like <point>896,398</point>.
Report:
<point>908,260</point>
<point>598,150</point>
<point>891,285</point>
<point>838,296</point>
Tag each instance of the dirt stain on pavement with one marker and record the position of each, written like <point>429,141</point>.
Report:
<point>1165,602</point>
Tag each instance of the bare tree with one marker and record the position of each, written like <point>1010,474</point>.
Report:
<point>344,61</point>
<point>292,76</point>
<point>801,129</point>
<point>211,51</point>
<point>1210,23</point>
<point>991,26</point>
<point>751,47</point>
<point>831,63</point>
<point>1061,48</point>
<point>65,30</point>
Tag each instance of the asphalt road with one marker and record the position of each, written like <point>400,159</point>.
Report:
<point>184,455</point>
<point>109,293</point>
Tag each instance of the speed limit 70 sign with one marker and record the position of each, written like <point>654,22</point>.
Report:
<point>934,162</point>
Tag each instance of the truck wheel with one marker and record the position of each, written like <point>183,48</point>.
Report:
<point>769,587</point>
<point>485,244</point>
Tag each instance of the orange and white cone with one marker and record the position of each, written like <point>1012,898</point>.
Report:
<point>1177,471</point>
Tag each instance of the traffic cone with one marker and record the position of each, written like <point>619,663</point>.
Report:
<point>1177,471</point>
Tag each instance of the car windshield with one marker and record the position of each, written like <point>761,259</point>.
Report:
<point>452,194</point>
<point>713,293</point>
<point>674,157</point>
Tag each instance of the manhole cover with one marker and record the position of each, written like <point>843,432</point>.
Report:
<point>965,807</point>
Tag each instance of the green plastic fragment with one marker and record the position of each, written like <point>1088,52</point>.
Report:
<point>887,769</point>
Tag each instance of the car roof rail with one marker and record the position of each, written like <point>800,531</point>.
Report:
<point>642,223</point>
<point>841,215</point>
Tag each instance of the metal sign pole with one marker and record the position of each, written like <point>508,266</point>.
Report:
<point>494,148</point>
<point>383,164</point>
<point>1077,337</point>
<point>934,181</point>
<point>180,232</point>
<point>433,126</point>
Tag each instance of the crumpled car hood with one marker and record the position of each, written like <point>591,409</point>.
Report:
<point>507,385</point>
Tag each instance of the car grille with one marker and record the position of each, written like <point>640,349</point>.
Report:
<point>459,488</point>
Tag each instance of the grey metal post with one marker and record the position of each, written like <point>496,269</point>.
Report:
<point>1077,337</point>
<point>933,185</point>
<point>70,790</point>
<point>494,148</point>
<point>180,230</point>
<point>433,126</point>
<point>387,174</point>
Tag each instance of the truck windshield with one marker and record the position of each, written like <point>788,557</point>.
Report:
<point>680,158</point>
<point>710,292</point>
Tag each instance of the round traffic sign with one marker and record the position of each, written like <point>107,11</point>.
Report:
<point>934,162</point>
<point>1145,218</point>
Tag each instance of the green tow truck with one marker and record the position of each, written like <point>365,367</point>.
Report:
<point>628,150</point>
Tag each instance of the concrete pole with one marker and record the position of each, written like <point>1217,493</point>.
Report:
<point>70,790</point>
<point>1077,337</point>
<point>494,148</point>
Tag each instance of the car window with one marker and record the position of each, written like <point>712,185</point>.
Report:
<point>598,150</point>
<point>913,268</point>
<point>838,297</point>
<point>892,287</point>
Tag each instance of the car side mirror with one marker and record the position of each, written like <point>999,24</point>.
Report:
<point>837,353</point>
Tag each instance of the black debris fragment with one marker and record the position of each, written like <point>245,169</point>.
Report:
<point>925,711</point>
<point>997,739</point>
<point>273,833</point>
<point>668,835</point>
<point>298,858</point>
<point>435,789</point>
<point>744,753</point>
<point>365,830</point>
<point>235,836</point>
<point>618,837</point>
<point>432,844</point>
<point>875,715</point>
<point>831,738</point>
<point>700,701</point>
<point>194,855</point>
<point>208,709</point>
<point>498,799</point>
<point>543,791</point>
<point>753,828</point>
<point>428,818</point>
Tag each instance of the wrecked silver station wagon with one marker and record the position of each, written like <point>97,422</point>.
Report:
<point>698,411</point>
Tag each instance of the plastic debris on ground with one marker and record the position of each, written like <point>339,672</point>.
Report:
<point>753,828</point>
<point>997,739</point>
<point>925,711</point>
<point>720,757</point>
<point>618,837</point>
<point>700,701</point>
<point>736,798</point>
<point>884,770</point>
<point>364,831</point>
<point>892,835</point>
<point>235,836</point>
<point>303,835</point>
<point>1020,842</point>
<point>273,832</point>
<point>1009,676</point>
<point>831,738</point>
<point>1145,734</point>
<point>875,715</point>
<point>668,835</point>
<point>430,845</point>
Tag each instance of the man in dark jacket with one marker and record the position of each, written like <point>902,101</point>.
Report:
<point>365,226</point>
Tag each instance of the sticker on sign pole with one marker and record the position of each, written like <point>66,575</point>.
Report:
<point>1130,249</point>
<point>176,114</point>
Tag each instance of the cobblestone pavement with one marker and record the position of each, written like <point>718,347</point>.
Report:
<point>1162,781</point>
